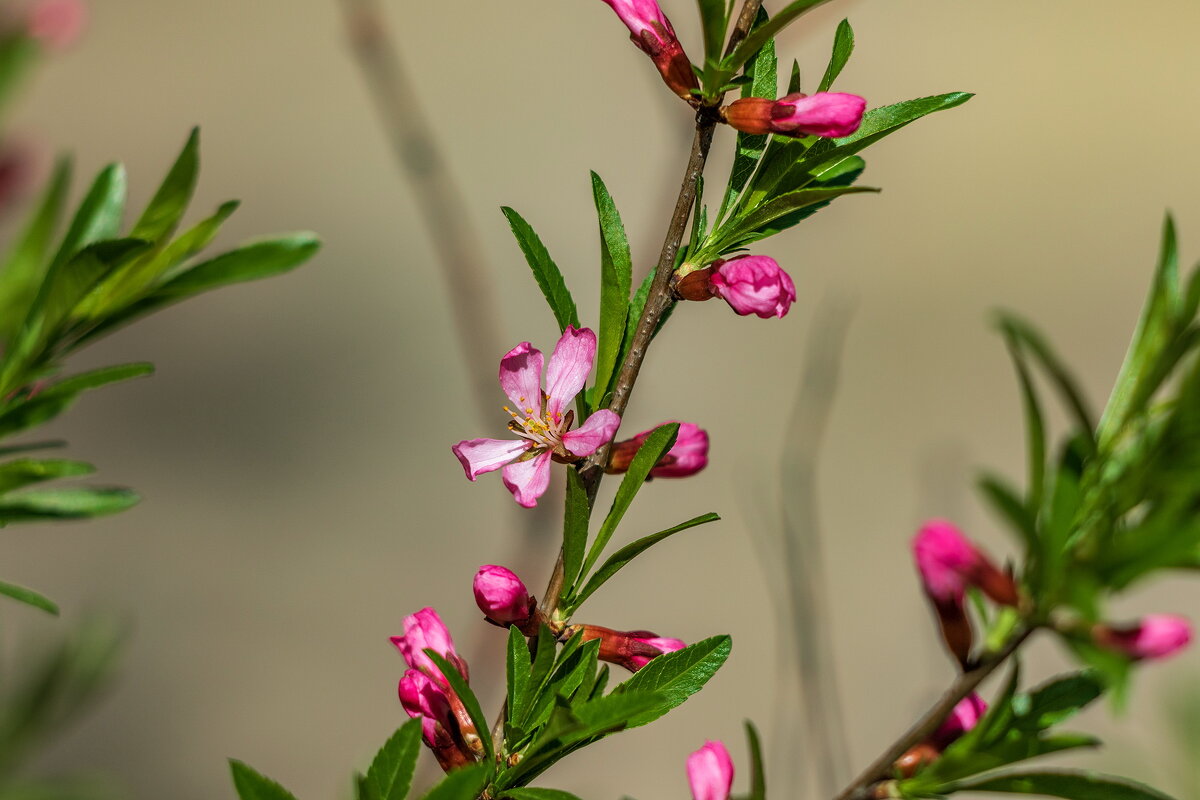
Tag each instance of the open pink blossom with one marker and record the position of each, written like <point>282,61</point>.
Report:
<point>1154,636</point>
<point>710,772</point>
<point>686,457</point>
<point>826,114</point>
<point>501,595</point>
<point>753,285</point>
<point>963,717</point>
<point>540,420</point>
<point>651,31</point>
<point>424,631</point>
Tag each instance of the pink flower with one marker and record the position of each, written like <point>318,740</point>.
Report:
<point>710,772</point>
<point>964,717</point>
<point>1155,636</point>
<point>753,285</point>
<point>57,24</point>
<point>424,631</point>
<point>949,563</point>
<point>541,420</point>
<point>501,596</point>
<point>827,114</point>
<point>425,700</point>
<point>686,457</point>
<point>651,31</point>
<point>630,649</point>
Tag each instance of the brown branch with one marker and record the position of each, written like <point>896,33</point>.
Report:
<point>863,787</point>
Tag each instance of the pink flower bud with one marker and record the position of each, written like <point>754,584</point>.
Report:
<point>949,563</point>
<point>425,700</point>
<point>686,457</point>
<point>753,285</point>
<point>651,31</point>
<point>1155,636</point>
<point>501,596</point>
<point>630,649</point>
<point>964,717</point>
<point>425,631</point>
<point>57,24</point>
<point>710,772</point>
<point>827,114</point>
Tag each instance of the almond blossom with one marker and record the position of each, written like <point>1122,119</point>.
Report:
<point>541,419</point>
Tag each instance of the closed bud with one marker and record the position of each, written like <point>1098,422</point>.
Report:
<point>686,457</point>
<point>826,114</point>
<point>503,598</point>
<point>629,649</point>
<point>1154,636</point>
<point>963,717</point>
<point>753,285</point>
<point>651,31</point>
<point>710,772</point>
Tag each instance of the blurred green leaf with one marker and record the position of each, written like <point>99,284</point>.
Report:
<point>98,216</point>
<point>52,401</point>
<point>73,503</point>
<point>545,271</point>
<point>171,200</point>
<point>461,784</point>
<point>29,597</point>
<point>758,772</point>
<point>25,268</point>
<point>843,46</point>
<point>26,471</point>
<point>1071,785</point>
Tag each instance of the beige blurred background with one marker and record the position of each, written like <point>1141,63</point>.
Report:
<point>293,450</point>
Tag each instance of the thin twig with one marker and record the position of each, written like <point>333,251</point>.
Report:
<point>862,787</point>
<point>456,244</point>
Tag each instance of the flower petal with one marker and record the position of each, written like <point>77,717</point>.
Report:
<point>527,480</point>
<point>521,379</point>
<point>570,364</point>
<point>484,455</point>
<point>599,428</point>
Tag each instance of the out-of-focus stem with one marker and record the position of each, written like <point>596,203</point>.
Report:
<point>863,787</point>
<point>439,201</point>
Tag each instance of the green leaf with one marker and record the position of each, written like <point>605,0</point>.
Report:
<point>678,675</point>
<point>575,531</point>
<point>29,597</point>
<point>461,784</point>
<point>616,277</point>
<point>98,216</point>
<point>762,34</point>
<point>249,263</point>
<point>171,200</point>
<point>1059,699</point>
<point>251,785</point>
<point>25,267</point>
<point>467,696</point>
<point>1055,369</point>
<point>1073,785</point>
<point>52,401</point>
<point>545,271</point>
<point>25,471</point>
<point>758,771</point>
<point>1011,508</point>
<point>629,552</point>
<point>764,82</point>
<point>757,223</point>
<point>536,793</point>
<point>657,445</point>
<point>843,46</point>
<point>543,663</point>
<point>391,773</point>
<point>714,18</point>
<point>517,675</point>
<point>1035,426</point>
<point>74,503</point>
<point>637,304</point>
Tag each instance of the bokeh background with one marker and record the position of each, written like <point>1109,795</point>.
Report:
<point>293,449</point>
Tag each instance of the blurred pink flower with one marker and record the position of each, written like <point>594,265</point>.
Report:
<point>686,457</point>
<point>963,717</point>
<point>651,31</point>
<point>710,772</point>
<point>57,24</point>
<point>949,562</point>
<point>753,285</point>
<point>501,595</point>
<point>541,420</point>
<point>1154,636</point>
<point>827,114</point>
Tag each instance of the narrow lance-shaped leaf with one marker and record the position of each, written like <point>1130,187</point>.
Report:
<point>171,200</point>
<point>469,701</point>
<point>461,784</point>
<point>764,82</point>
<point>679,675</point>
<point>537,793</point>
<point>1055,369</point>
<point>25,471</point>
<point>98,216</point>
<point>575,531</point>
<point>545,271</point>
<point>843,46</point>
<point>516,668</point>
<point>616,277</point>
<point>759,36</point>
<point>1071,785</point>
<point>714,19</point>
<point>1035,426</point>
<point>24,269</point>
<point>761,217</point>
<point>657,444</point>
<point>29,597</point>
<point>54,400</point>
<point>629,552</point>
<point>74,503</point>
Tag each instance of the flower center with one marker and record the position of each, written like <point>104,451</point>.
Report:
<point>544,430</point>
